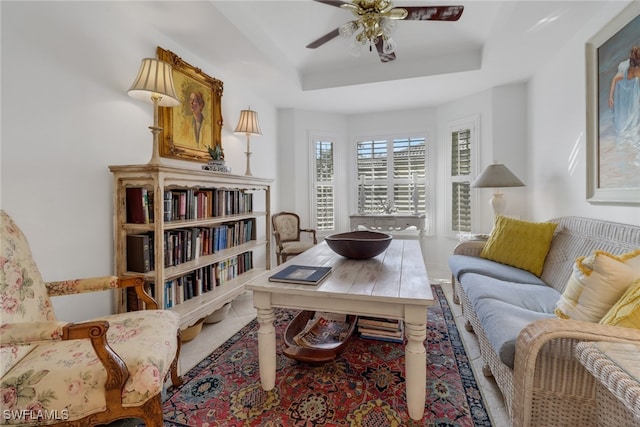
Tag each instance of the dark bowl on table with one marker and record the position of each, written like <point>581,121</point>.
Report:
<point>359,244</point>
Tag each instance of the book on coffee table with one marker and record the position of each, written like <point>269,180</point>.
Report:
<point>301,274</point>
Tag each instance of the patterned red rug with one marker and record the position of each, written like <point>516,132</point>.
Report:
<point>364,387</point>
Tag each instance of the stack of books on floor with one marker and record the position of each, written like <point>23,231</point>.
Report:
<point>381,329</point>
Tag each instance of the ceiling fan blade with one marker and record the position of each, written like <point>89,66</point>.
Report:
<point>336,3</point>
<point>384,57</point>
<point>322,40</point>
<point>433,13</point>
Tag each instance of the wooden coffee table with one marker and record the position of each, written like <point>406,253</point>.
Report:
<point>392,285</point>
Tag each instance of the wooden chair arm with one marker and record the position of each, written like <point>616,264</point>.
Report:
<point>554,341</point>
<point>137,282</point>
<point>116,369</point>
<point>313,232</point>
<point>276,235</point>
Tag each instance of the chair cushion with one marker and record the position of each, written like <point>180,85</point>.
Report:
<point>540,298</point>
<point>519,243</point>
<point>24,296</point>
<point>294,248</point>
<point>147,340</point>
<point>461,264</point>
<point>502,323</point>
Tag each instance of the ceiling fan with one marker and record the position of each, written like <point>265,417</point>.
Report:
<point>375,20</point>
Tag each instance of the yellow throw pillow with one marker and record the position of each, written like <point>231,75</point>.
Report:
<point>597,282</point>
<point>519,243</point>
<point>626,312</point>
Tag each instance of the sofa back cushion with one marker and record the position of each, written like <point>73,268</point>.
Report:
<point>23,294</point>
<point>596,284</point>
<point>519,243</point>
<point>577,237</point>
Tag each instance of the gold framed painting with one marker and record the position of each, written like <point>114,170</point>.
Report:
<point>196,124</point>
<point>613,111</point>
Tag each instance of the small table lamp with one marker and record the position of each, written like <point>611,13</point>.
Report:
<point>248,124</point>
<point>497,176</point>
<point>154,84</point>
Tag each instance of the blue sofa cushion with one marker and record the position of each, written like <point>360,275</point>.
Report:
<point>535,297</point>
<point>502,322</point>
<point>462,264</point>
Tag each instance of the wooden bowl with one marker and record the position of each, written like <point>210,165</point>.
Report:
<point>312,355</point>
<point>359,244</point>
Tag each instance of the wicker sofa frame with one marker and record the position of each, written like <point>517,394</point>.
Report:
<point>548,386</point>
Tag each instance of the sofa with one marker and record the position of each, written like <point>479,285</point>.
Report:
<point>526,342</point>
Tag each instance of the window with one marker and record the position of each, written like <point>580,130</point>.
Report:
<point>389,170</point>
<point>324,184</point>
<point>462,148</point>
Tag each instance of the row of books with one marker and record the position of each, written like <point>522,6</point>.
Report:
<point>186,244</point>
<point>381,329</point>
<point>186,204</point>
<point>205,279</point>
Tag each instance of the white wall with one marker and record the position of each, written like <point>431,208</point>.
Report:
<point>66,116</point>
<point>557,140</point>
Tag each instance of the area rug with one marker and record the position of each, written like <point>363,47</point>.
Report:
<point>364,387</point>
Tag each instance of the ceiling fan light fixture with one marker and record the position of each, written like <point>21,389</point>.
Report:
<point>348,29</point>
<point>388,45</point>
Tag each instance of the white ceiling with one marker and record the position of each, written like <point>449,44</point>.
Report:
<point>493,43</point>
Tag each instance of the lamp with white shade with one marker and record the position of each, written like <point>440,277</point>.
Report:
<point>154,84</point>
<point>497,176</point>
<point>248,124</point>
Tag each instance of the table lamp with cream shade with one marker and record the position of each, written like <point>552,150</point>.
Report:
<point>248,125</point>
<point>154,84</point>
<point>497,176</point>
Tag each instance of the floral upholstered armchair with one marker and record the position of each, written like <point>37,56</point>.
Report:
<point>77,374</point>
<point>286,230</point>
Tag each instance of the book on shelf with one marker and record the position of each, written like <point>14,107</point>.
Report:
<point>137,205</point>
<point>323,331</point>
<point>139,253</point>
<point>301,274</point>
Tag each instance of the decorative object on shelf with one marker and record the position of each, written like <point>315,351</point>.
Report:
<point>497,176</point>
<point>415,196</point>
<point>362,195</point>
<point>217,163</point>
<point>197,125</point>
<point>613,112</point>
<point>359,244</point>
<point>154,84</point>
<point>248,124</point>
<point>375,21</point>
<point>387,206</point>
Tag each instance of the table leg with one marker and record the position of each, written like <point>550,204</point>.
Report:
<point>415,359</point>
<point>267,348</point>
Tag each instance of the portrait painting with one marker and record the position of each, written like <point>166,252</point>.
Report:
<point>613,102</point>
<point>194,126</point>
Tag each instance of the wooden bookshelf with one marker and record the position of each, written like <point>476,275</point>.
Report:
<point>215,201</point>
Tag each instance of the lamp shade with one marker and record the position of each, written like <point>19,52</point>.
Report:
<point>496,175</point>
<point>155,78</point>
<point>248,123</point>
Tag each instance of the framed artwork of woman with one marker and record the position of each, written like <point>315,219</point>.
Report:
<point>613,110</point>
<point>196,124</point>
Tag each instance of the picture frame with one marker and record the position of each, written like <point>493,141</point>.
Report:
<point>196,124</point>
<point>613,135</point>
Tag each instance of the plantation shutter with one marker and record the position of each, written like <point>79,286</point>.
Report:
<point>388,167</point>
<point>460,183</point>
<point>324,185</point>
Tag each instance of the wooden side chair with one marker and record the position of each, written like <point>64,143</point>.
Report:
<point>286,230</point>
<point>78,374</point>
